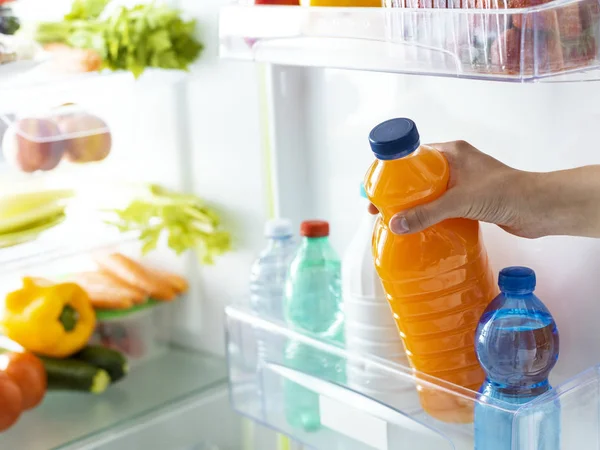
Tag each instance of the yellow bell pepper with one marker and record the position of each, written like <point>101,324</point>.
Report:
<point>50,319</point>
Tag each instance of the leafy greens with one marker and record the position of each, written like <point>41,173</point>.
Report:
<point>145,35</point>
<point>188,223</point>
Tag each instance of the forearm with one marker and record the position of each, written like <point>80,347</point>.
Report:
<point>567,202</point>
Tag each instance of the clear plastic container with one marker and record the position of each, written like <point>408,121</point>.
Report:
<point>342,3</point>
<point>137,333</point>
<point>35,140</point>
<point>141,332</point>
<point>354,419</point>
<point>483,39</point>
<point>61,116</point>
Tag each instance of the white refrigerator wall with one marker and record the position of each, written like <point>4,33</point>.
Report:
<point>221,147</point>
<point>537,127</point>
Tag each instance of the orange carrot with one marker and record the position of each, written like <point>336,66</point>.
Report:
<point>74,60</point>
<point>138,295</point>
<point>136,275</point>
<point>110,303</point>
<point>104,294</point>
<point>178,283</point>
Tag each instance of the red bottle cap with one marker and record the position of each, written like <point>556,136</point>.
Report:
<point>314,228</point>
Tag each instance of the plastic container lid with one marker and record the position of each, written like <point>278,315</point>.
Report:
<point>394,138</point>
<point>516,280</point>
<point>314,228</point>
<point>278,228</point>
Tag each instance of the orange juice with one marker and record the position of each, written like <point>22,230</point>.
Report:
<point>438,281</point>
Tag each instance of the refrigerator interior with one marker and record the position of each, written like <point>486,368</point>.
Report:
<point>173,129</point>
<point>319,120</point>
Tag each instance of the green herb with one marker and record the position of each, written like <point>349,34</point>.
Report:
<point>86,9</point>
<point>186,220</point>
<point>146,35</point>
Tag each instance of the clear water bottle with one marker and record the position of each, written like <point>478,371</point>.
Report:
<point>267,282</point>
<point>313,307</point>
<point>517,345</point>
<point>269,271</point>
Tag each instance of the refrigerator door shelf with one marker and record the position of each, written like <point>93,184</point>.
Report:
<point>481,40</point>
<point>353,416</point>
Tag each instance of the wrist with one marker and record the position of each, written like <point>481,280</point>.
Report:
<point>552,204</point>
<point>534,213</point>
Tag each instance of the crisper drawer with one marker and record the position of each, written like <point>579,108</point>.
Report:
<point>329,398</point>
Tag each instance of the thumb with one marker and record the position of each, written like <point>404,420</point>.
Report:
<point>424,216</point>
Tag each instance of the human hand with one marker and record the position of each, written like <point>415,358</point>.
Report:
<point>480,188</point>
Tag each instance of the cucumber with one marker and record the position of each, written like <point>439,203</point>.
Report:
<point>75,375</point>
<point>108,359</point>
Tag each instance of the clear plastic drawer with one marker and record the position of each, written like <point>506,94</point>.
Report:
<point>338,399</point>
<point>481,39</point>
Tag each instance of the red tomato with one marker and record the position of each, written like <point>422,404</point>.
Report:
<point>28,372</point>
<point>11,402</point>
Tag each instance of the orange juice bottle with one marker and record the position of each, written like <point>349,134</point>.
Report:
<point>437,281</point>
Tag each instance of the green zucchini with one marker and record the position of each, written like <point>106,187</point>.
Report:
<point>75,375</point>
<point>108,359</point>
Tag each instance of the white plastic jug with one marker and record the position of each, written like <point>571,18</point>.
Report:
<point>370,328</point>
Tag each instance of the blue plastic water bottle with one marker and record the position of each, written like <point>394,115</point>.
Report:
<point>517,344</point>
<point>313,307</point>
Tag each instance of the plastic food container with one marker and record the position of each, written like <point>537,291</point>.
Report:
<point>495,37</point>
<point>511,40</point>
<point>342,3</point>
<point>39,140</point>
<point>137,333</point>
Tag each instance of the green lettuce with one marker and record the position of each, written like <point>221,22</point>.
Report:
<point>133,39</point>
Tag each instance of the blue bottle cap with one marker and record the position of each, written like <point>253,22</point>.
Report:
<point>516,280</point>
<point>363,193</point>
<point>394,139</point>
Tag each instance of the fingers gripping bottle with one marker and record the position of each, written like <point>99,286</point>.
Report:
<point>438,281</point>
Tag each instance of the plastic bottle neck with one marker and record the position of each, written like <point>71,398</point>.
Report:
<point>521,390</point>
<point>415,179</point>
<point>523,293</point>
<point>403,154</point>
<point>315,240</point>
<point>278,242</point>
